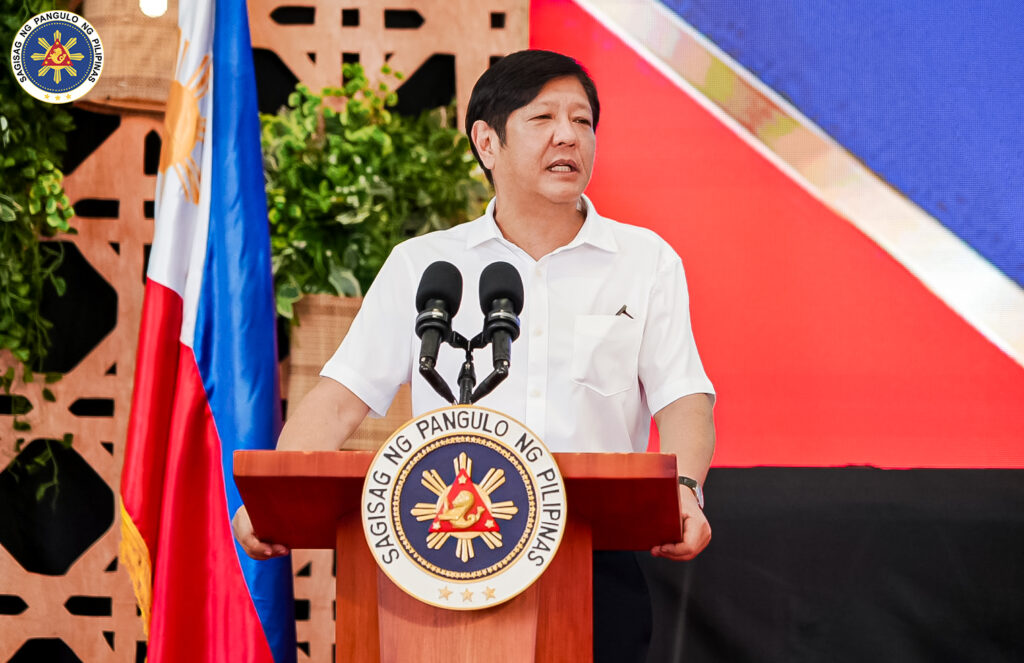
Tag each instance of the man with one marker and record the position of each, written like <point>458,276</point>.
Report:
<point>606,338</point>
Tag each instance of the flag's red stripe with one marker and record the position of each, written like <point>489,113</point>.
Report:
<point>145,458</point>
<point>201,606</point>
<point>823,349</point>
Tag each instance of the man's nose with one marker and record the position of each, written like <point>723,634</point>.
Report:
<point>565,133</point>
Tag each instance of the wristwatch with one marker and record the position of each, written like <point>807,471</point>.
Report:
<point>695,487</point>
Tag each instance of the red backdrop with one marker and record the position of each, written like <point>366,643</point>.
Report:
<point>823,349</point>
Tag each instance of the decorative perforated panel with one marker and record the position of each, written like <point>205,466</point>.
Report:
<point>91,402</point>
<point>314,41</point>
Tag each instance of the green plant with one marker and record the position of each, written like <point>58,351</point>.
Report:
<point>347,180</point>
<point>33,208</point>
<point>33,205</point>
<point>41,471</point>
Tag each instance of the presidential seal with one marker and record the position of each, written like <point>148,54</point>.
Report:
<point>463,508</point>
<point>57,56</point>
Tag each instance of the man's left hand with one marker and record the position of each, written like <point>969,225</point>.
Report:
<point>696,531</point>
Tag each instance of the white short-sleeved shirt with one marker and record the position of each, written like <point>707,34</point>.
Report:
<point>581,377</point>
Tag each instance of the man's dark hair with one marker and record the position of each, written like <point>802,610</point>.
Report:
<point>514,81</point>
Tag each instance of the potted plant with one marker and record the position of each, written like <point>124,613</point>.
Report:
<point>347,180</point>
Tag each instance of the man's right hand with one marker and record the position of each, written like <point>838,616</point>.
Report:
<point>247,538</point>
<point>323,420</point>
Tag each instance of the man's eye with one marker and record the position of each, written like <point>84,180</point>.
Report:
<point>583,120</point>
<point>544,116</point>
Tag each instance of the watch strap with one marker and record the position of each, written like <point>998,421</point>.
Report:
<point>695,487</point>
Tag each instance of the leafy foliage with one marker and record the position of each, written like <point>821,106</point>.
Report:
<point>347,180</point>
<point>32,201</point>
<point>33,207</point>
<point>41,471</point>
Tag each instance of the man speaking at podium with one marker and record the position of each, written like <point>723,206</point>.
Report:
<point>606,339</point>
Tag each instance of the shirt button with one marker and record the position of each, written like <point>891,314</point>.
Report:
<point>535,392</point>
<point>537,331</point>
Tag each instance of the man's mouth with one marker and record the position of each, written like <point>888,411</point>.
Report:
<point>563,166</point>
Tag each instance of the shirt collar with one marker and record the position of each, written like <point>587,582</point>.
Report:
<point>596,230</point>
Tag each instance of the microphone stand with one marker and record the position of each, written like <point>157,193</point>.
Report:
<point>467,378</point>
<point>467,375</point>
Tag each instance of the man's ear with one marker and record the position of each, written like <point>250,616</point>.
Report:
<point>485,139</point>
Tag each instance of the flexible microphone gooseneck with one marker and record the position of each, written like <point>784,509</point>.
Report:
<point>501,300</point>
<point>437,300</point>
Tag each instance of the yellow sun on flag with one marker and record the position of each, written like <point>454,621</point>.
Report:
<point>185,126</point>
<point>58,57</point>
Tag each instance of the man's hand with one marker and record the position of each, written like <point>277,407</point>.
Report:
<point>687,428</point>
<point>323,419</point>
<point>696,531</point>
<point>247,538</point>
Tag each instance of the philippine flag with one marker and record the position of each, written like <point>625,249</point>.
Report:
<point>206,380</point>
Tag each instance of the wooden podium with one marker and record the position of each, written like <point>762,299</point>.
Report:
<point>310,499</point>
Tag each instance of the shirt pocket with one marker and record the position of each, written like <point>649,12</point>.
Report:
<point>606,349</point>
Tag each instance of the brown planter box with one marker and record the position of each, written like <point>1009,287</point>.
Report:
<point>323,322</point>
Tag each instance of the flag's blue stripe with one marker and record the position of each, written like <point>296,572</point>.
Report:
<point>235,340</point>
<point>928,93</point>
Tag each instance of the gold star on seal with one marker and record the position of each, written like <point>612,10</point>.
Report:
<point>445,593</point>
<point>467,596</point>
<point>488,592</point>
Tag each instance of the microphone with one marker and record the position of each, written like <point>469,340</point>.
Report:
<point>437,300</point>
<point>501,300</point>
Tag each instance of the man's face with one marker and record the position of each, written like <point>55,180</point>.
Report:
<point>549,145</point>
